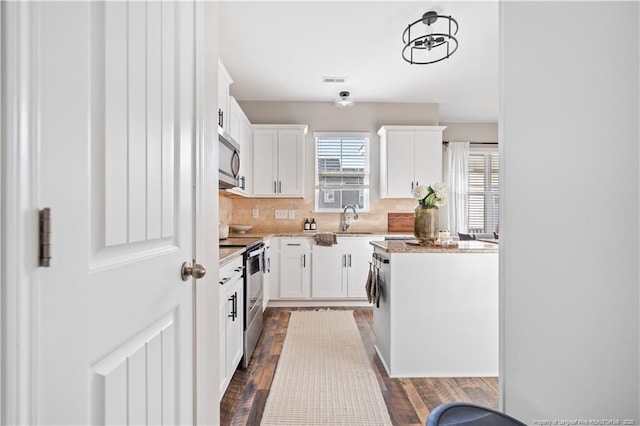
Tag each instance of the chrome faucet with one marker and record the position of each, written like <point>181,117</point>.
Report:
<point>345,216</point>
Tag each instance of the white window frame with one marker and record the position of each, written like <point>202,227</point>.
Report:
<point>366,185</point>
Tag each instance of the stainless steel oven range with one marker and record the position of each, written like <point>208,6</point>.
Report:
<point>253,289</point>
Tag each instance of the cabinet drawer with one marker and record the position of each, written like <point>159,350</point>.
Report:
<point>295,243</point>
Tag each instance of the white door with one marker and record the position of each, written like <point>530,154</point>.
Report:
<point>116,110</point>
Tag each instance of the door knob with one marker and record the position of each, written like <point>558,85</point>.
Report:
<point>196,271</point>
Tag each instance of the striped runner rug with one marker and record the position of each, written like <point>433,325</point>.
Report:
<point>324,376</point>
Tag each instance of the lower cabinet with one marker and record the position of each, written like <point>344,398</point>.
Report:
<point>341,271</point>
<point>231,329</point>
<point>302,270</point>
<point>295,268</point>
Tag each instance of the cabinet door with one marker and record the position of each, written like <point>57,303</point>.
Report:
<point>328,275</point>
<point>234,331</point>
<point>265,148</point>
<point>428,157</point>
<point>223,94</point>
<point>232,119</point>
<point>274,269</point>
<point>239,129</point>
<point>359,253</point>
<point>295,275</point>
<point>224,310</point>
<point>358,263</point>
<point>246,156</point>
<point>290,163</point>
<point>400,160</point>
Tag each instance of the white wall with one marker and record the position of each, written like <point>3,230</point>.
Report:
<point>470,132</point>
<point>569,151</point>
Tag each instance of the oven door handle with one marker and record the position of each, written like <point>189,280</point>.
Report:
<point>257,252</point>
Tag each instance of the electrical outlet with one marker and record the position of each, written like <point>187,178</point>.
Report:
<point>281,214</point>
<point>292,214</point>
<point>255,213</point>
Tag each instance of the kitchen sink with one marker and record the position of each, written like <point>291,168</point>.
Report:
<point>353,233</point>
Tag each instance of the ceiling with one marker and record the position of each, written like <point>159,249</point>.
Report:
<point>281,50</point>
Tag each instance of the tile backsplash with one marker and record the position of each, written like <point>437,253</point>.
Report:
<point>240,211</point>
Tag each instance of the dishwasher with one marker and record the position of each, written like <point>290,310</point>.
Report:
<point>382,311</point>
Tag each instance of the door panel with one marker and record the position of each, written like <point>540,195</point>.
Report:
<point>132,376</point>
<point>328,275</point>
<point>428,154</point>
<point>116,137</point>
<point>265,161</point>
<point>400,160</point>
<point>290,162</point>
<point>135,126</point>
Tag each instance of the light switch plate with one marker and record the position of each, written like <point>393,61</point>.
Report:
<point>292,214</point>
<point>281,214</point>
<point>255,213</point>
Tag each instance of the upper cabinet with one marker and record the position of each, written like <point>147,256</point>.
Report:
<point>409,156</point>
<point>224,81</point>
<point>234,121</point>
<point>278,166</point>
<point>240,129</point>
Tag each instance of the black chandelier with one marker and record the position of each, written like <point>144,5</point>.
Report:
<point>426,42</point>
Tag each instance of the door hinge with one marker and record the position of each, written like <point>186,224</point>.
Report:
<point>45,237</point>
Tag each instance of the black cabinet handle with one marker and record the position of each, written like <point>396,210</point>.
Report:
<point>232,314</point>
<point>349,260</point>
<point>235,305</point>
<point>279,187</point>
<point>275,187</point>
<point>304,260</point>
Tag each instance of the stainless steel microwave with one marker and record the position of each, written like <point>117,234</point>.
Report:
<point>229,166</point>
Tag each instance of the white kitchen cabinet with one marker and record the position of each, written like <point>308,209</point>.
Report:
<point>278,166</point>
<point>274,268</point>
<point>224,81</point>
<point>409,156</point>
<point>295,268</point>
<point>341,271</point>
<point>240,129</point>
<point>231,321</point>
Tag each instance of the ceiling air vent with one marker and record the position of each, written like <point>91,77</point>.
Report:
<point>334,79</point>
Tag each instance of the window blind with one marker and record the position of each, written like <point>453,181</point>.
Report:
<point>342,171</point>
<point>484,185</point>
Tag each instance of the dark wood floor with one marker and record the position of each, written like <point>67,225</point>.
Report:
<point>409,400</point>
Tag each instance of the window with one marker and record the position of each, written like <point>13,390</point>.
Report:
<point>342,171</point>
<point>484,182</point>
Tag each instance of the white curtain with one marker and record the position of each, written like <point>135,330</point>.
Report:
<point>458,180</point>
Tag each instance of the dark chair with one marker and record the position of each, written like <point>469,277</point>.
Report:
<point>463,413</point>
<point>466,237</point>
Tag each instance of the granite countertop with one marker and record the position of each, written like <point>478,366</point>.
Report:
<point>312,233</point>
<point>395,246</point>
<point>227,254</point>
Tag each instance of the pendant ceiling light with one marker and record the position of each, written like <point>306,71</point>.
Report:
<point>430,39</point>
<point>344,101</point>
